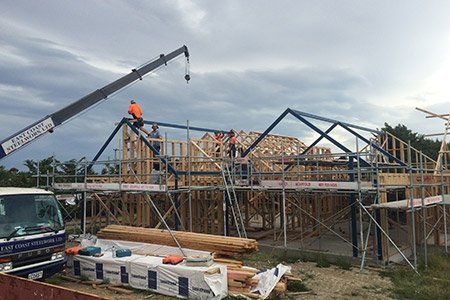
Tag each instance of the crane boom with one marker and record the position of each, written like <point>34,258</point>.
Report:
<point>46,124</point>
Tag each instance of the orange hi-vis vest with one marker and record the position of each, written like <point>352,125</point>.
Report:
<point>233,140</point>
<point>135,110</point>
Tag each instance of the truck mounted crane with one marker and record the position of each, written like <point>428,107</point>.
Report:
<point>49,122</point>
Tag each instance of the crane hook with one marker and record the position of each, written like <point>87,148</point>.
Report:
<point>187,77</point>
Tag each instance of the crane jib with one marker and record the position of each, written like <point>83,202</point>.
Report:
<point>46,124</point>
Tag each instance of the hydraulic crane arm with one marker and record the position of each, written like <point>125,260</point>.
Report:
<point>46,124</point>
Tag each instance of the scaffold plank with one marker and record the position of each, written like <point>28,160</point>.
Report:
<point>406,203</point>
<point>290,184</point>
<point>131,187</point>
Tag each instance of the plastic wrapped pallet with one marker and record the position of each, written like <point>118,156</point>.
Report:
<point>178,280</point>
<point>149,273</point>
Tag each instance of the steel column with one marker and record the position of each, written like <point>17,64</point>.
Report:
<point>353,210</point>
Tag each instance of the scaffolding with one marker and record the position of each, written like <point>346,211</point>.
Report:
<point>378,202</point>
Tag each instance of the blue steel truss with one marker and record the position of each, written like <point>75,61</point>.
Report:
<point>301,116</point>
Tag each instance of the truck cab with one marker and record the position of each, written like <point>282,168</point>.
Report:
<point>32,235</point>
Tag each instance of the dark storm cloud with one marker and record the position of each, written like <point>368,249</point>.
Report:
<point>354,61</point>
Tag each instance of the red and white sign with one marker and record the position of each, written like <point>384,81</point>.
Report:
<point>109,186</point>
<point>289,184</point>
<point>142,187</point>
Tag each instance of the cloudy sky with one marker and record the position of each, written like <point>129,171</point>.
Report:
<point>365,62</point>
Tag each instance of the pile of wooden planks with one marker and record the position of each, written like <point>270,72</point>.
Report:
<point>229,246</point>
<point>241,281</point>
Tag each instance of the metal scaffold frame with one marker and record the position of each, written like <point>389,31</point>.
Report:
<point>277,184</point>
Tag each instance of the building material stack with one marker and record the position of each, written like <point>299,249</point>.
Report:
<point>241,279</point>
<point>222,245</point>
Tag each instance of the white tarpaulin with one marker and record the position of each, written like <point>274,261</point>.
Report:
<point>146,249</point>
<point>268,280</point>
<point>147,272</point>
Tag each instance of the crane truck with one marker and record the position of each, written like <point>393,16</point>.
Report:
<point>32,234</point>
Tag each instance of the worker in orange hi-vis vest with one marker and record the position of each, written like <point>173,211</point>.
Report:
<point>232,144</point>
<point>135,110</point>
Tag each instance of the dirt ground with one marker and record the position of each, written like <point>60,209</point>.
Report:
<point>322,282</point>
<point>336,283</point>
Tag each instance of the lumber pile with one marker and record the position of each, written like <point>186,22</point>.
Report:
<point>229,246</point>
<point>241,281</point>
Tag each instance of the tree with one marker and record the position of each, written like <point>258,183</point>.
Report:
<point>45,165</point>
<point>27,178</point>
<point>109,169</point>
<point>13,177</point>
<point>428,146</point>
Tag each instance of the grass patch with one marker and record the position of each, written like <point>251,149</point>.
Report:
<point>265,260</point>
<point>297,286</point>
<point>261,259</point>
<point>322,261</point>
<point>432,283</point>
<point>290,258</point>
<point>344,263</point>
<point>84,278</point>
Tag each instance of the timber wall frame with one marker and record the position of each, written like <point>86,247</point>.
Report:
<point>383,168</point>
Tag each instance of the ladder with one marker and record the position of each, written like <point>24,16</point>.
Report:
<point>234,204</point>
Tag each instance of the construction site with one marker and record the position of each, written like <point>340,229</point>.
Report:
<point>376,201</point>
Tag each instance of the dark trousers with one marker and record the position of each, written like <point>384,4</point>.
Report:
<point>232,150</point>
<point>156,165</point>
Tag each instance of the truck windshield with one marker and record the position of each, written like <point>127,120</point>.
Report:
<point>28,214</point>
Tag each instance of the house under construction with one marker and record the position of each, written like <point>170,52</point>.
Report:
<point>378,199</point>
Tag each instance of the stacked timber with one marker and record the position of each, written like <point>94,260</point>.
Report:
<point>222,245</point>
<point>241,281</point>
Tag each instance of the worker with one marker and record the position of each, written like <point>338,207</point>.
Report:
<point>218,137</point>
<point>154,134</point>
<point>232,140</point>
<point>135,110</point>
